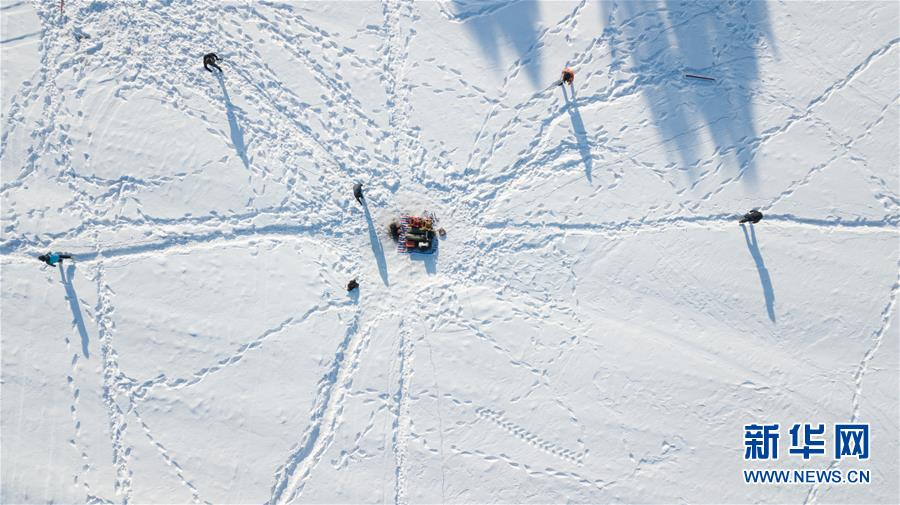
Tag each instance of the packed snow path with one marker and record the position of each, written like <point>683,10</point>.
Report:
<point>596,327</point>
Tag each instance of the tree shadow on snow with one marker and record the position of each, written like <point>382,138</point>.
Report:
<point>377,250</point>
<point>66,278</point>
<point>764,278</point>
<point>237,136</point>
<point>665,39</point>
<point>584,146</point>
<point>500,22</point>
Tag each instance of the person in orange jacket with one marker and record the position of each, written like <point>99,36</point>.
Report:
<point>568,76</point>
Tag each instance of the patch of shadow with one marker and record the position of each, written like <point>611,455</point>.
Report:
<point>657,42</point>
<point>237,135</point>
<point>584,146</point>
<point>492,24</point>
<point>72,297</point>
<point>377,250</point>
<point>764,279</point>
<point>97,6</point>
<point>429,260</point>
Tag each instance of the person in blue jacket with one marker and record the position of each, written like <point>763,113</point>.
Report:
<point>52,258</point>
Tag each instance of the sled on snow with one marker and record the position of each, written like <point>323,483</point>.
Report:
<point>414,234</point>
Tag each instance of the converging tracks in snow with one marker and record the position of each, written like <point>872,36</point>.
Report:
<point>316,160</point>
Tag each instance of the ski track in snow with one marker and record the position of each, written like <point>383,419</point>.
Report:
<point>812,494</point>
<point>317,156</point>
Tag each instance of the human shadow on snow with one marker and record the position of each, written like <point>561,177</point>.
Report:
<point>584,146</point>
<point>66,278</point>
<point>764,278</point>
<point>377,250</point>
<point>237,135</point>
<point>353,296</point>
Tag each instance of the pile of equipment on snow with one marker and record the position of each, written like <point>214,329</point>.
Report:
<point>414,234</point>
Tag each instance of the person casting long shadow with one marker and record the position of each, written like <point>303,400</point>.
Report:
<point>764,278</point>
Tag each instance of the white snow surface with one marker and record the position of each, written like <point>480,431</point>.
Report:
<point>595,327</point>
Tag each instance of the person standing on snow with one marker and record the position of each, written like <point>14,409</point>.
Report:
<point>568,77</point>
<point>52,258</point>
<point>754,216</point>
<point>357,193</point>
<point>210,60</point>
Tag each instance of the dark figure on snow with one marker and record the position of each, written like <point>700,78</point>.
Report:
<point>394,230</point>
<point>209,60</point>
<point>357,193</point>
<point>52,258</point>
<point>753,217</point>
<point>568,77</point>
<point>352,285</point>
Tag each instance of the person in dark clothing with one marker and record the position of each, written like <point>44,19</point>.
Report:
<point>352,285</point>
<point>394,230</point>
<point>357,192</point>
<point>568,77</point>
<point>209,60</point>
<point>754,216</point>
<point>52,258</point>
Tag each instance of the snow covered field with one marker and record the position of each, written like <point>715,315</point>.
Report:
<point>595,327</point>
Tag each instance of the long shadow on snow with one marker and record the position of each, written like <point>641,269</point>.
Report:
<point>237,136</point>
<point>584,145</point>
<point>377,250</point>
<point>887,222</point>
<point>66,278</point>
<point>495,24</point>
<point>180,240</point>
<point>721,39</point>
<point>764,278</point>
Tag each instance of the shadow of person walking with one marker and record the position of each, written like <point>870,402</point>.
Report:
<point>584,146</point>
<point>237,135</point>
<point>66,278</point>
<point>377,250</point>
<point>764,278</point>
<point>353,295</point>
